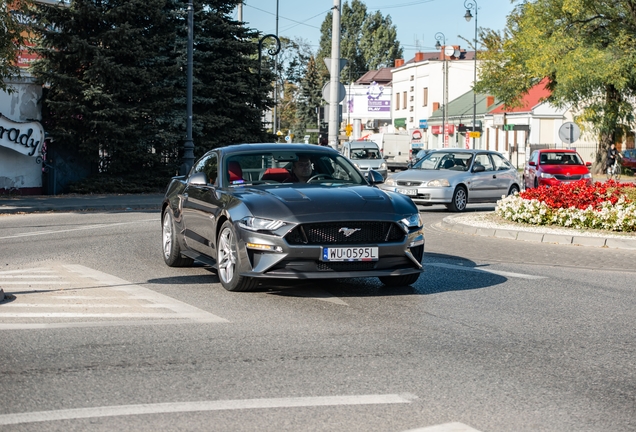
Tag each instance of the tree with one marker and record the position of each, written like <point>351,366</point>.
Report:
<point>230,97</point>
<point>117,76</point>
<point>12,38</point>
<point>584,48</point>
<point>366,41</point>
<point>110,69</point>
<point>309,98</point>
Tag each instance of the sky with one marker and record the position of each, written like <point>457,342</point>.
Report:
<point>416,21</point>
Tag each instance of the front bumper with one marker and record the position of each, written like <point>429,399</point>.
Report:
<point>304,261</point>
<point>424,195</point>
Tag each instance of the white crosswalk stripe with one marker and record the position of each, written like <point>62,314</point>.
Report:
<point>52,297</point>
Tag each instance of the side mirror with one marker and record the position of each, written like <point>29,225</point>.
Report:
<point>588,164</point>
<point>198,179</point>
<point>479,168</point>
<point>532,163</point>
<point>374,177</point>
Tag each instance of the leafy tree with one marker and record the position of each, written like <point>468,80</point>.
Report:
<point>586,50</point>
<point>12,38</point>
<point>366,41</point>
<point>379,42</point>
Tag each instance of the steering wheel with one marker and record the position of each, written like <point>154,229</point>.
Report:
<point>319,176</point>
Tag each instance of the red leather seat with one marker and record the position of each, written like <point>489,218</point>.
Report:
<point>277,174</point>
<point>235,171</point>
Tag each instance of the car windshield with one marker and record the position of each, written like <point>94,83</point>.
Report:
<point>365,153</point>
<point>455,161</point>
<point>278,167</point>
<point>560,158</point>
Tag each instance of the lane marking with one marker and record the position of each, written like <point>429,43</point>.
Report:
<point>178,407</point>
<point>86,227</point>
<point>446,427</point>
<point>486,270</point>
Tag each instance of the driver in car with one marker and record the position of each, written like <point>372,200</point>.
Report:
<point>301,170</point>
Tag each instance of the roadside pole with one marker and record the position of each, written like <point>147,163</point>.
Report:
<point>334,127</point>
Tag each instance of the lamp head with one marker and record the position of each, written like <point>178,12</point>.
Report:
<point>438,45</point>
<point>468,15</point>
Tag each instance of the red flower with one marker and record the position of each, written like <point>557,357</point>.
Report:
<point>578,194</point>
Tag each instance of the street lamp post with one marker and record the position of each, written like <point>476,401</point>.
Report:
<point>441,37</point>
<point>472,4</point>
<point>188,145</point>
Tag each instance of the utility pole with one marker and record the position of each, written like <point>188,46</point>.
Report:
<point>275,116</point>
<point>334,126</point>
<point>240,12</point>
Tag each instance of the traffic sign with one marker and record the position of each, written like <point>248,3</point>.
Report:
<point>326,90</point>
<point>287,138</point>
<point>349,129</point>
<point>569,132</point>
<point>474,134</point>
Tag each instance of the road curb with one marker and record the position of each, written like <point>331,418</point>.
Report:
<point>542,236</point>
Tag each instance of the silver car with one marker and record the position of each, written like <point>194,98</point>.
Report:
<point>456,177</point>
<point>365,155</point>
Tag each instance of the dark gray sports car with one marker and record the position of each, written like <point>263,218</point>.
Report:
<point>292,211</point>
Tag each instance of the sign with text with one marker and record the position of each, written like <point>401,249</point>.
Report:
<point>25,138</point>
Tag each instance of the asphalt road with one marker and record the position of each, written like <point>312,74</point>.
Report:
<point>498,335</point>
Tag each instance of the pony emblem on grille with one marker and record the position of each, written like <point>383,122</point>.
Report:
<point>348,231</point>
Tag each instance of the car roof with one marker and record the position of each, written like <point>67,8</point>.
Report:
<point>363,144</point>
<point>557,151</point>
<point>463,150</point>
<point>265,147</point>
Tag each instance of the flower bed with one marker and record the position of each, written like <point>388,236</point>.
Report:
<point>606,206</point>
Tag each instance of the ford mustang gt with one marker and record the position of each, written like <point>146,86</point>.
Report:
<point>247,211</point>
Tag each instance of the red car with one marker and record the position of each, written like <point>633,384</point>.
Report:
<point>550,167</point>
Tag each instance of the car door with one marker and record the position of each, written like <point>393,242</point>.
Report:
<point>505,175</point>
<point>483,184</point>
<point>201,206</point>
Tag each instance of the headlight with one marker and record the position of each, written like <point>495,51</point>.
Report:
<point>438,183</point>
<point>382,165</point>
<point>586,176</point>
<point>390,182</point>
<point>546,175</point>
<point>259,224</point>
<point>412,221</point>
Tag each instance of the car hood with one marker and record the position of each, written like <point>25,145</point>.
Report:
<point>330,202</point>
<point>564,169</point>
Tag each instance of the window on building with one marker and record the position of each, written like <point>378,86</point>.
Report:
<point>397,102</point>
<point>425,97</point>
<point>404,99</point>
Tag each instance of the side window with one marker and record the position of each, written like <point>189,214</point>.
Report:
<point>210,166</point>
<point>534,157</point>
<point>484,159</point>
<point>500,163</point>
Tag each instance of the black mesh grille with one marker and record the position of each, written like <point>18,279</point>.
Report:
<point>565,177</point>
<point>334,233</point>
<point>344,266</point>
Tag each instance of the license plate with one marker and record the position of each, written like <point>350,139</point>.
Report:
<point>407,191</point>
<point>350,254</point>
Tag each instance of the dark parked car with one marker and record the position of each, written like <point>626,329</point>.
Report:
<point>550,167</point>
<point>240,211</point>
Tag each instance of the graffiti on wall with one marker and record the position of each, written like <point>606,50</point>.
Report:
<point>25,138</point>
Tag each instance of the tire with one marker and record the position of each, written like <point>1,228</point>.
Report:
<point>536,182</point>
<point>609,172</point>
<point>460,200</point>
<point>514,188</point>
<point>395,281</point>
<point>618,172</point>
<point>171,249</point>
<point>227,261</point>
